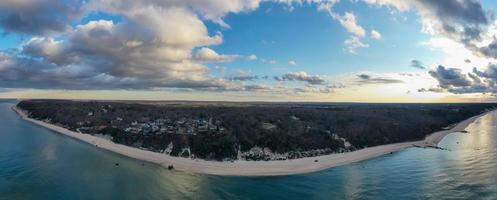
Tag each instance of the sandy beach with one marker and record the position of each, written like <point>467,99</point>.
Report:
<point>252,168</point>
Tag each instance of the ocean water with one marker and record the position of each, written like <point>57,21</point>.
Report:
<point>36,163</point>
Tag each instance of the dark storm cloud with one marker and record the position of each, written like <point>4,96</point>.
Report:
<point>454,81</point>
<point>369,79</point>
<point>244,78</point>
<point>301,76</point>
<point>417,64</point>
<point>450,77</point>
<point>462,19</point>
<point>38,17</point>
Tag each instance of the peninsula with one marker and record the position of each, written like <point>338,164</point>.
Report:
<point>251,139</point>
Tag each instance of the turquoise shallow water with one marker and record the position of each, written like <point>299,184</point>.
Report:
<point>36,163</point>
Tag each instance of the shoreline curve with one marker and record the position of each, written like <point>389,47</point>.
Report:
<point>252,168</point>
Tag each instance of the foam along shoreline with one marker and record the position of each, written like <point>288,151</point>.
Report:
<point>252,168</point>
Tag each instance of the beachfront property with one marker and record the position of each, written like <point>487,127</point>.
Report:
<point>190,126</point>
<point>187,126</point>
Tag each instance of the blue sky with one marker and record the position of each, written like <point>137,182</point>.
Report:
<point>284,50</point>
<point>315,41</point>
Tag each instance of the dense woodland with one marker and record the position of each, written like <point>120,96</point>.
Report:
<point>295,127</point>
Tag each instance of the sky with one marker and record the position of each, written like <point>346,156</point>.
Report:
<point>250,50</point>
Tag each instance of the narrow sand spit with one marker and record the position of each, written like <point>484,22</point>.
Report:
<point>252,168</point>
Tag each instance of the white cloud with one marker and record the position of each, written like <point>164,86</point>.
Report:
<point>252,57</point>
<point>205,54</point>
<point>321,4</point>
<point>349,22</point>
<point>354,43</point>
<point>455,54</point>
<point>272,62</point>
<point>376,35</point>
<point>326,5</point>
<point>292,63</point>
<point>213,10</point>
<point>401,5</point>
<point>45,47</point>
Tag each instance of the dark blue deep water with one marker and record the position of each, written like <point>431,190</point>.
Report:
<point>36,163</point>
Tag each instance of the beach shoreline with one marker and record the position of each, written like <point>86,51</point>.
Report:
<point>251,168</point>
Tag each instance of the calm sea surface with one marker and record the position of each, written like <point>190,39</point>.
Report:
<point>36,163</point>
